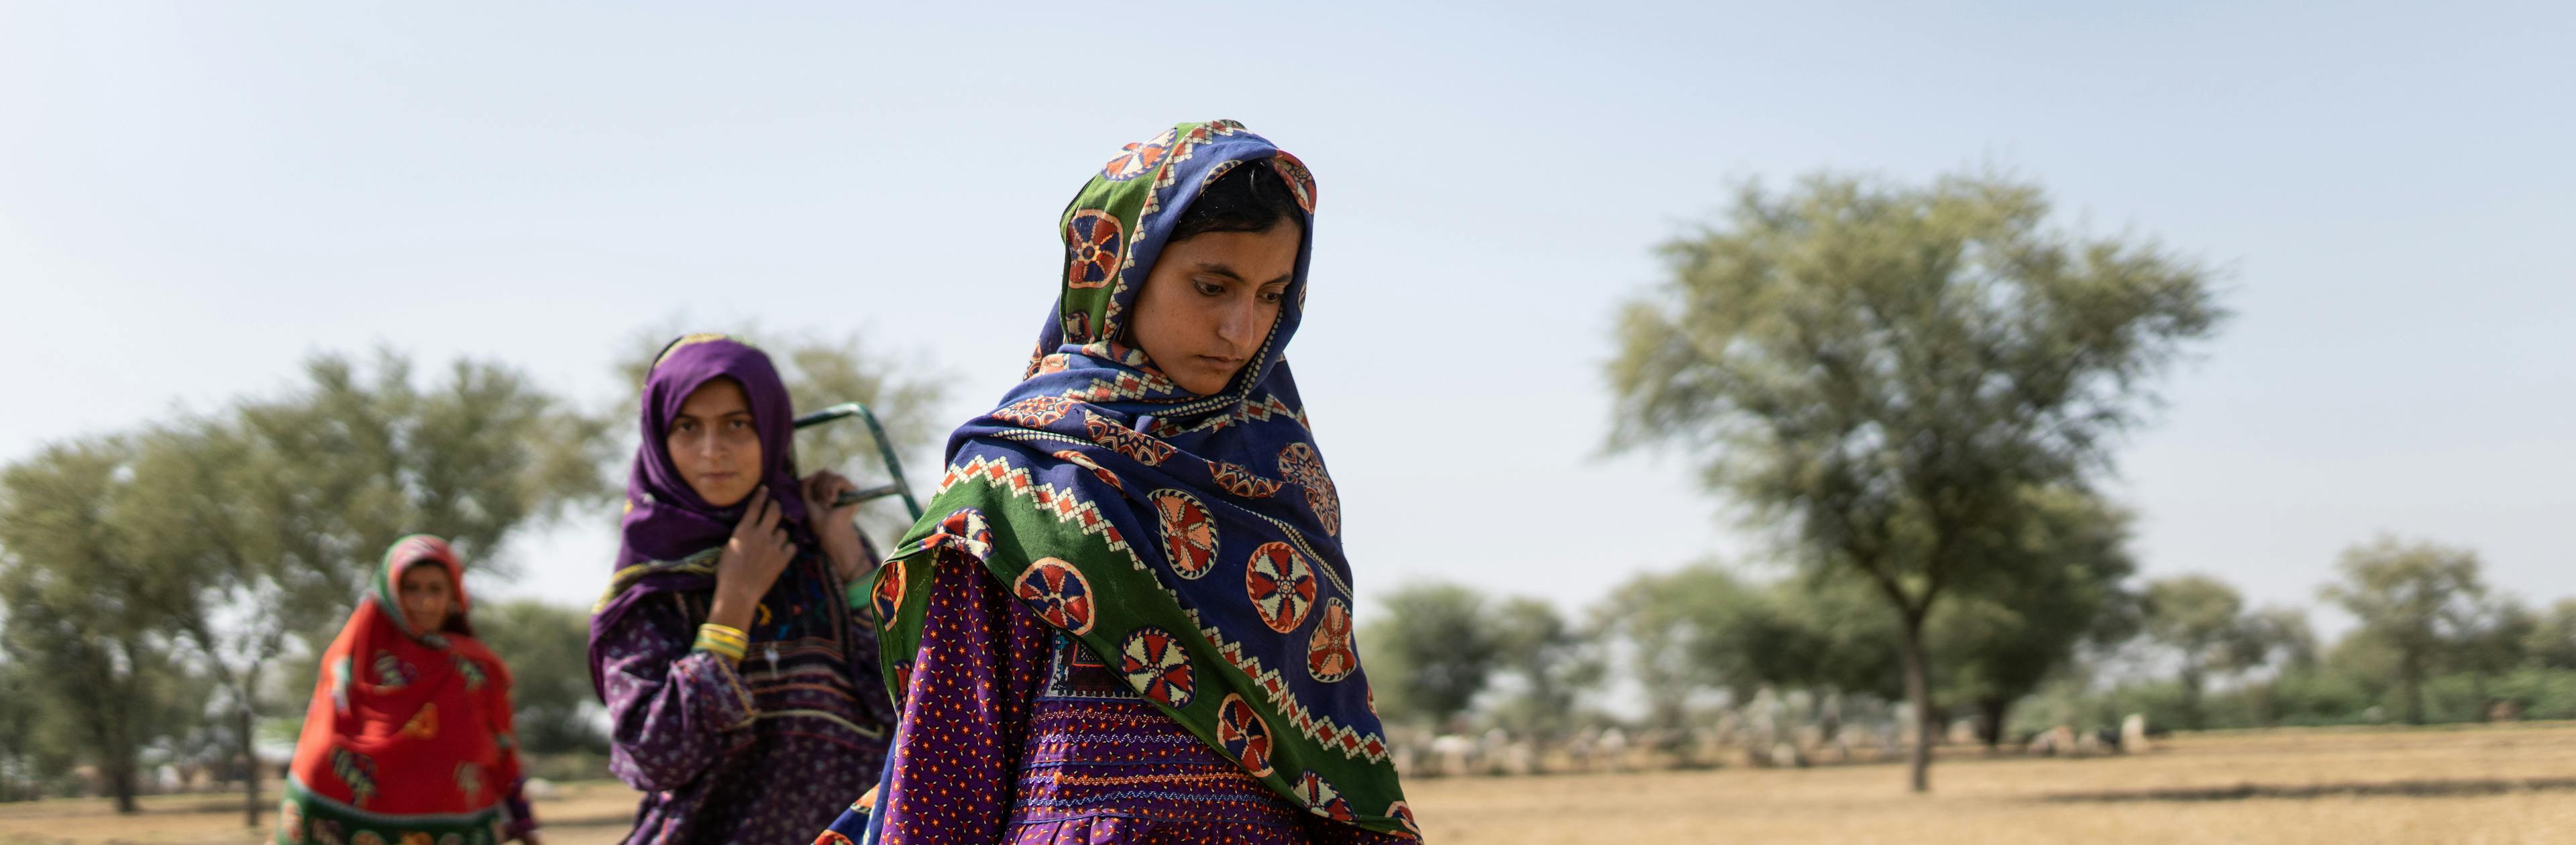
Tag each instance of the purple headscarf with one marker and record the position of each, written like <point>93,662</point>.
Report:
<point>670,531</point>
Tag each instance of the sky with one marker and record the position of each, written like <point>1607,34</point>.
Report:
<point>195,197</point>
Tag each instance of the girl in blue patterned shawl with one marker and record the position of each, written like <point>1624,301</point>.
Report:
<point>1126,614</point>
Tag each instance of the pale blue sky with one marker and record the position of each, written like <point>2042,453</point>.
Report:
<point>194,196</point>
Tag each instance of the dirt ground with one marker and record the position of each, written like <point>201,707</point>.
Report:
<point>2503,784</point>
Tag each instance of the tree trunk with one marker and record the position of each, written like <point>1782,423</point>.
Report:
<point>1918,693</point>
<point>114,742</point>
<point>120,777</point>
<point>2411,681</point>
<point>1990,726</point>
<point>2191,687</point>
<point>250,765</point>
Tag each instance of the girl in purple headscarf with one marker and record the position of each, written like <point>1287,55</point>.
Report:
<point>743,691</point>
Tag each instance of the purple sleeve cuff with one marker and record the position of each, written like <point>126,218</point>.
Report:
<point>522,819</point>
<point>674,711</point>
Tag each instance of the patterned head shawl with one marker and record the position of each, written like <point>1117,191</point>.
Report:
<point>405,722</point>
<point>671,536</point>
<point>1193,541</point>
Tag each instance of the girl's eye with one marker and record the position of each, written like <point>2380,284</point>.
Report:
<point>740,424</point>
<point>1211,288</point>
<point>1271,297</point>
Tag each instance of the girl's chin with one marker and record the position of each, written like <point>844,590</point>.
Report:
<point>1203,382</point>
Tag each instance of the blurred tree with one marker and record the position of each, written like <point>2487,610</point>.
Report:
<point>2416,600</point>
<point>2494,644</point>
<point>1552,661</point>
<point>2279,637</point>
<point>2201,620</point>
<point>2002,640</point>
<point>548,651</point>
<point>1696,629</point>
<point>18,726</point>
<point>1831,635</point>
<point>79,635</point>
<point>1430,652</point>
<point>2552,642</point>
<point>1883,371</point>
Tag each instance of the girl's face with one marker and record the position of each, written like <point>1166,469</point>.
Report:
<point>425,595</point>
<point>714,445</point>
<point>1210,301</point>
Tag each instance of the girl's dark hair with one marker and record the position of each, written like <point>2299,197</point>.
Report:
<point>1250,198</point>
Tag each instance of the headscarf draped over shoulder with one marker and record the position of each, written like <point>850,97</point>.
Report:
<point>671,536</point>
<point>409,730</point>
<point>1193,541</point>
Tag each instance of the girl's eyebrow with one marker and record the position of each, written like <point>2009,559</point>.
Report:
<point>1228,272</point>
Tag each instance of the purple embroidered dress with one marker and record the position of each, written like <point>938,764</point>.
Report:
<point>1017,734</point>
<point>765,751</point>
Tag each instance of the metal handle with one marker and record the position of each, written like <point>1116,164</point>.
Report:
<point>852,497</point>
<point>885,450</point>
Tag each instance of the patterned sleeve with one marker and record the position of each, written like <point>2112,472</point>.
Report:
<point>966,710</point>
<point>674,711</point>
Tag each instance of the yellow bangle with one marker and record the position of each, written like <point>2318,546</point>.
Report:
<point>723,639</point>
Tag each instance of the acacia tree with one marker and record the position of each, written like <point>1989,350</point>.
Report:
<point>1430,652</point>
<point>1699,629</point>
<point>2419,600</point>
<point>2001,640</point>
<point>548,649</point>
<point>1881,371</point>
<point>80,634</point>
<point>2277,637</point>
<point>2202,620</point>
<point>1548,655</point>
<point>2552,641</point>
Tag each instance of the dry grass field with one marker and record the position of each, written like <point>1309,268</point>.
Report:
<point>2505,784</point>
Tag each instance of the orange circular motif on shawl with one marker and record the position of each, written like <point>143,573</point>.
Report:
<point>1057,592</point>
<point>1158,666</point>
<point>1282,587</point>
<point>1244,736</point>
<point>1321,798</point>
<point>1189,535</point>
<point>1138,158</point>
<point>1329,655</point>
<point>1093,249</point>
